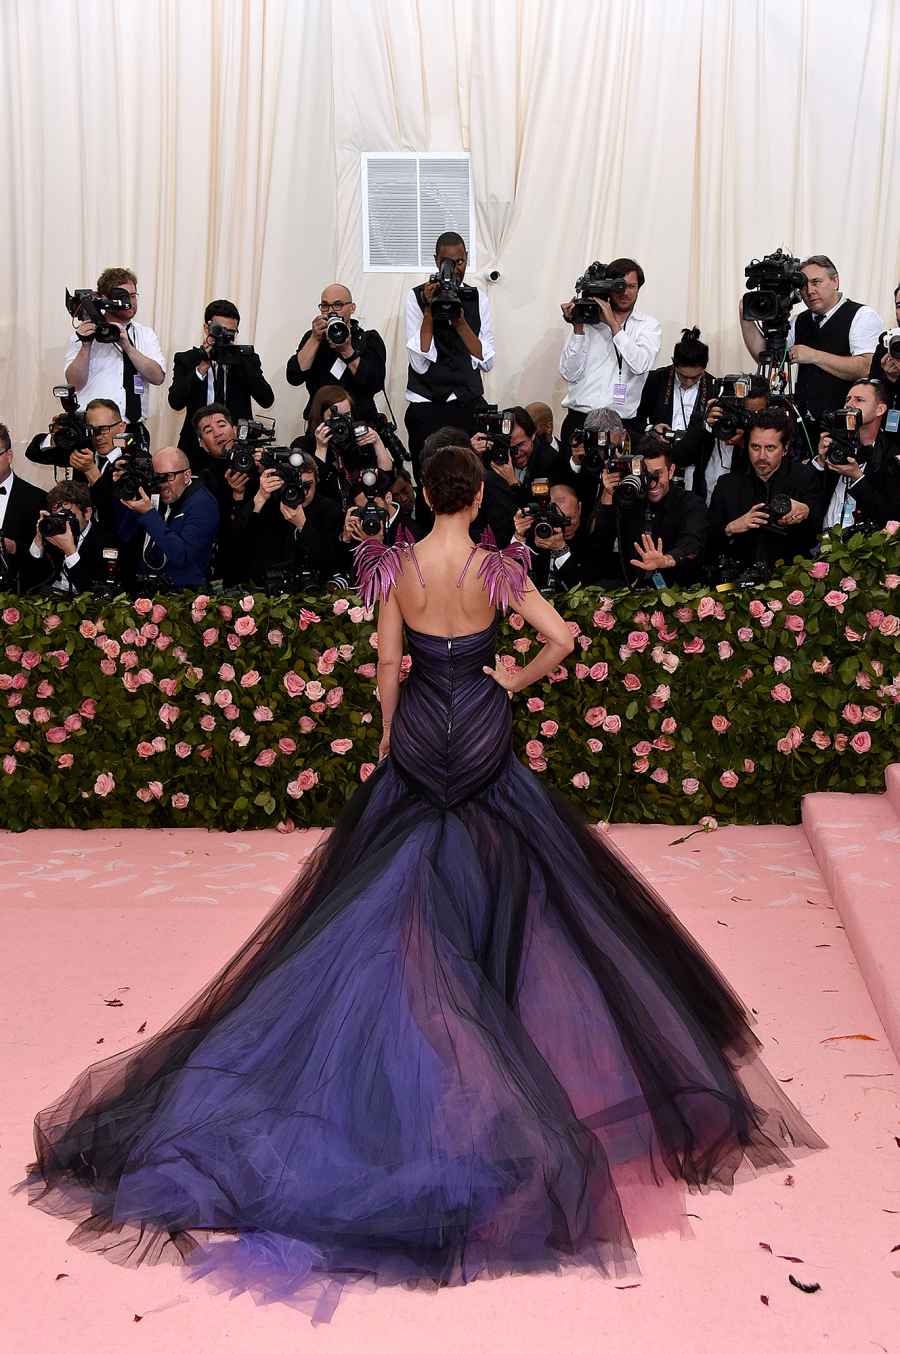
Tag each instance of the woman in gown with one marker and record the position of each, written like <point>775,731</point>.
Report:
<point>465,1022</point>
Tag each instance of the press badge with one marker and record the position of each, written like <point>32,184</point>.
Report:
<point>619,390</point>
<point>892,421</point>
<point>138,383</point>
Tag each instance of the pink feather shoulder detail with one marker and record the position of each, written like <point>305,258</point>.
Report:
<point>378,566</point>
<point>504,573</point>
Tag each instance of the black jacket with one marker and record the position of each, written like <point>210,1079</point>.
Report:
<point>658,399</point>
<point>270,542</point>
<point>736,492</point>
<point>877,495</point>
<point>695,449</point>
<point>361,387</point>
<point>20,523</point>
<point>43,572</point>
<point>580,568</point>
<point>680,520</point>
<point>244,382</point>
<point>891,387</point>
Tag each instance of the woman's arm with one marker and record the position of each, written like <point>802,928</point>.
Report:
<point>390,652</point>
<point>543,617</point>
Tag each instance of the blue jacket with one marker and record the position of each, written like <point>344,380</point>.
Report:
<point>182,545</point>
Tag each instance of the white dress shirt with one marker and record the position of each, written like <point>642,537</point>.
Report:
<point>865,329</point>
<point>105,376</point>
<point>420,361</point>
<point>596,362</point>
<point>62,584</point>
<point>683,401</point>
<point>718,465</point>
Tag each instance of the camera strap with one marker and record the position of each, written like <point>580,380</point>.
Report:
<point>133,409</point>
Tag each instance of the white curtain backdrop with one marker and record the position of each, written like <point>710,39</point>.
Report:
<point>214,147</point>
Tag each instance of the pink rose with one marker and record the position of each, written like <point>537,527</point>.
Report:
<point>342,745</point>
<point>87,629</point>
<point>305,724</point>
<point>534,748</point>
<point>207,723</point>
<point>366,670</point>
<point>861,742</point>
<point>549,728</point>
<point>145,749</point>
<point>533,704</point>
<point>821,739</point>
<point>209,636</point>
<point>334,697</point>
<point>669,725</point>
<point>871,713</point>
<point>819,569</point>
<point>340,606</point>
<point>223,697</point>
<point>366,770</point>
<point>183,750</point>
<point>705,608</point>
<point>293,683</point>
<point>642,749</point>
<point>324,667</point>
<point>41,715</point>
<point>143,606</point>
<point>104,784</point>
<point>745,634</point>
<point>581,780</point>
<point>582,671</point>
<point>233,642</point>
<point>848,584</point>
<point>251,678</point>
<point>890,626</point>
<point>226,673</point>
<point>286,825</point>
<point>853,635</point>
<point>756,608</point>
<point>821,665</point>
<point>180,800</point>
<point>595,745</point>
<point>515,621</point>
<point>275,637</point>
<point>9,764</point>
<point>168,714</point>
<point>785,745</point>
<point>840,742</point>
<point>690,786</point>
<point>30,659</point>
<point>604,620</point>
<point>781,664</point>
<point>795,598</point>
<point>670,661</point>
<point>538,764</point>
<point>595,715</point>
<point>357,614</point>
<point>852,714</point>
<point>230,712</point>
<point>892,581</point>
<point>796,624</point>
<point>891,528</point>
<point>684,614</point>
<point>766,619</point>
<point>782,693</point>
<point>660,775</point>
<point>247,603</point>
<point>158,613</point>
<point>266,757</point>
<point>599,672</point>
<point>158,743</point>
<point>728,780</point>
<point>612,724</point>
<point>314,691</point>
<point>524,644</point>
<point>637,641</point>
<point>262,714</point>
<point>11,616</point>
<point>631,681</point>
<point>795,735</point>
<point>749,766</point>
<point>725,649</point>
<point>168,686</point>
<point>708,823</point>
<point>56,735</point>
<point>640,766</point>
<point>287,746</point>
<point>835,599</point>
<point>307,779</point>
<point>240,737</point>
<point>720,723</point>
<point>71,723</point>
<point>64,761</point>
<point>244,626</point>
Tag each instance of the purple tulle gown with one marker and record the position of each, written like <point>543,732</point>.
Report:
<point>435,1058</point>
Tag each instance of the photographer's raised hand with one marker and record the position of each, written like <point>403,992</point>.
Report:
<point>141,504</point>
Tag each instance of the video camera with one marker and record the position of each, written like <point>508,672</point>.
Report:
<point>774,284</point>
<point>843,426</point>
<point>446,304</point>
<point>596,282</point>
<point>88,306</point>
<point>224,350</point>
<point>496,425</point>
<point>70,431</point>
<point>547,516</point>
<point>370,516</point>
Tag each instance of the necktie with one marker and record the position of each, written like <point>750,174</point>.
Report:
<point>219,384</point>
<point>817,321</point>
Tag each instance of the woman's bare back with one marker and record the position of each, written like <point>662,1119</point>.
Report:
<point>453,600</point>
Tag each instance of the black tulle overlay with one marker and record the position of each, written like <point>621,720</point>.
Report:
<point>469,1041</point>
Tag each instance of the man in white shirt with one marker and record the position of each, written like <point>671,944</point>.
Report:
<point>606,364</point>
<point>832,341</point>
<point>120,371</point>
<point>447,351</point>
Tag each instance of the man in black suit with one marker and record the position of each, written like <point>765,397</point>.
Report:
<point>564,558</point>
<point>342,353</point>
<point>20,503</point>
<point>70,561</point>
<point>216,372</point>
<point>676,396</point>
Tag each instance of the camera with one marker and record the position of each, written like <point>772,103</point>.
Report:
<point>251,432</point>
<point>287,462</point>
<point>729,394</point>
<point>337,331</point>
<point>70,432</point>
<point>842,426</point>
<point>496,425</point>
<point>370,516</point>
<point>446,304</point>
<point>777,506</point>
<point>731,571</point>
<point>546,516</point>
<point>86,305</point>
<point>137,472</point>
<point>55,523</point>
<point>387,431</point>
<point>636,481</point>
<point>345,435</point>
<point>596,282</point>
<point>891,340</point>
<point>224,350</point>
<point>774,284</point>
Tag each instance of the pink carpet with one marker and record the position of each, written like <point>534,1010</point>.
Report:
<point>144,918</point>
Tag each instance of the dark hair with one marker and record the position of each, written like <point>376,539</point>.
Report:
<point>690,350</point>
<point>208,410</point>
<point>877,386</point>
<point>449,240</point>
<point>621,267</point>
<point>820,261</point>
<point>69,491</point>
<point>323,399</point>
<point>452,477</point>
<point>5,440</point>
<point>114,277</point>
<point>896,289</point>
<point>523,420</point>
<point>774,420</point>
<point>651,447</point>
<point>441,437</point>
<point>227,309</point>
<point>309,462</point>
<point>101,403</point>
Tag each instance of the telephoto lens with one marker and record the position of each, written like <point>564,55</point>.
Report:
<point>337,332</point>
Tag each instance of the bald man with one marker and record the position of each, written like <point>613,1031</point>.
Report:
<point>179,531</point>
<point>345,355</point>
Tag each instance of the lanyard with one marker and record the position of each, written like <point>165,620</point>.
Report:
<point>615,349</point>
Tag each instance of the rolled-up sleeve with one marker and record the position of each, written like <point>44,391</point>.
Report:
<point>418,360</point>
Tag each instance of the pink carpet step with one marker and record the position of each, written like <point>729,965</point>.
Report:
<point>856,842</point>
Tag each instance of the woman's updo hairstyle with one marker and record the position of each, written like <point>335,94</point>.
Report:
<point>451,477</point>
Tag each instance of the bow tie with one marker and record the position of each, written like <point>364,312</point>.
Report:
<point>2,488</point>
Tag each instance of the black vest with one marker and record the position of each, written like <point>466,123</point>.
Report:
<point>817,391</point>
<point>452,373</point>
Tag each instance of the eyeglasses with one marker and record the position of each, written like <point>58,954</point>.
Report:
<point>325,306</point>
<point>98,428</point>
<point>166,476</point>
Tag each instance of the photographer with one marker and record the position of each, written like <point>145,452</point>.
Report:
<point>449,342</point>
<point>649,530</point>
<point>66,553</point>
<point>580,464</point>
<point>770,513</point>
<point>542,417</point>
<point>886,359</point>
<point>216,433</point>
<point>122,370</point>
<point>562,555</point>
<point>218,371</point>
<point>336,351</point>
<point>714,444</point>
<point>344,446</point>
<point>859,466</point>
<point>81,441</point>
<point>293,545</point>
<point>373,515</point>
<point>676,396</point>
<point>606,362</point>
<point>832,340</point>
<point>20,504</point>
<point>180,533</point>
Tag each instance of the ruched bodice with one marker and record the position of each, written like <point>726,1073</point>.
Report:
<point>452,731</point>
